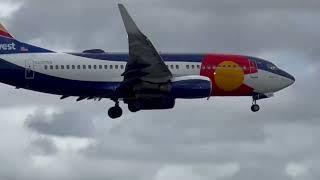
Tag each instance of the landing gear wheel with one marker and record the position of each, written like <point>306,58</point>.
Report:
<point>134,106</point>
<point>115,112</point>
<point>255,108</point>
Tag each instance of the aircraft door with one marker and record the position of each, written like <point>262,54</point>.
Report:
<point>253,69</point>
<point>29,69</point>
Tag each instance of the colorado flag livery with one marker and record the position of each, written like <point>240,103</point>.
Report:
<point>143,79</point>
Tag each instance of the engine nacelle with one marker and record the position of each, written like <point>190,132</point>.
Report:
<point>149,88</point>
<point>162,96</point>
<point>191,87</point>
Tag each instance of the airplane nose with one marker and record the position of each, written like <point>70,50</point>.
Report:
<point>292,78</point>
<point>289,78</point>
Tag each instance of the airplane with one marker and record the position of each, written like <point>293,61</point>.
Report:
<point>144,79</point>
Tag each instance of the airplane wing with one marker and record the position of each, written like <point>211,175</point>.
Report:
<point>145,64</point>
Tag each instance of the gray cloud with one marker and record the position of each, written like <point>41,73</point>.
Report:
<point>44,146</point>
<point>65,124</point>
<point>195,138</point>
<point>247,27</point>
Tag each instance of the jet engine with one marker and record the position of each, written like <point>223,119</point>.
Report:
<point>191,87</point>
<point>162,96</point>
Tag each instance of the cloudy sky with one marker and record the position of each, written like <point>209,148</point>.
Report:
<point>221,139</point>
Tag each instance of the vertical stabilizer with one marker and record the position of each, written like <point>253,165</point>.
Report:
<point>4,32</point>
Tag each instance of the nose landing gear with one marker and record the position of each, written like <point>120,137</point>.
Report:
<point>115,111</point>
<point>255,107</point>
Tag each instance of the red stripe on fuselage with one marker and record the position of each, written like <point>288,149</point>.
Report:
<point>212,61</point>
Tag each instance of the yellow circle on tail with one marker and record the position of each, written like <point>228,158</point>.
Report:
<point>229,76</point>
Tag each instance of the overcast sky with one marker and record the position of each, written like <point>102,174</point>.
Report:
<point>221,139</point>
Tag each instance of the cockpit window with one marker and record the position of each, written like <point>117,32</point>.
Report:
<point>272,67</point>
<point>263,64</point>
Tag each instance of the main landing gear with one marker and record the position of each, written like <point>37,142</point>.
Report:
<point>134,106</point>
<point>115,111</point>
<point>255,107</point>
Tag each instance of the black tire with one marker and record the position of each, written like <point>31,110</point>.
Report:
<point>134,107</point>
<point>255,108</point>
<point>115,112</point>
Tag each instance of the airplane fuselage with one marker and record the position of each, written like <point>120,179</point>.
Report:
<point>143,78</point>
<point>87,74</point>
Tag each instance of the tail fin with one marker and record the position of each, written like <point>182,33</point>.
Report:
<point>4,32</point>
<point>9,45</point>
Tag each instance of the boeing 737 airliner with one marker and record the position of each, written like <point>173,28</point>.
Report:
<point>142,79</point>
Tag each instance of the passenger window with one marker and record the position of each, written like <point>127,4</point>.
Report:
<point>192,66</point>
<point>198,66</point>
<point>188,66</point>
<point>62,66</point>
<point>68,66</point>
<point>73,67</point>
<point>79,67</point>
<point>57,67</point>
<point>122,66</point>
<point>171,66</point>
<point>100,66</point>
<point>51,67</point>
<point>84,67</point>
<point>45,67</point>
<point>111,66</point>
<point>116,66</point>
<point>177,66</point>
<point>105,66</point>
<point>89,66</point>
<point>94,66</point>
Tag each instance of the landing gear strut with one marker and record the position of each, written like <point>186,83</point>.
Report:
<point>255,107</point>
<point>115,111</point>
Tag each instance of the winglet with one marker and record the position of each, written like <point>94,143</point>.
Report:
<point>130,25</point>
